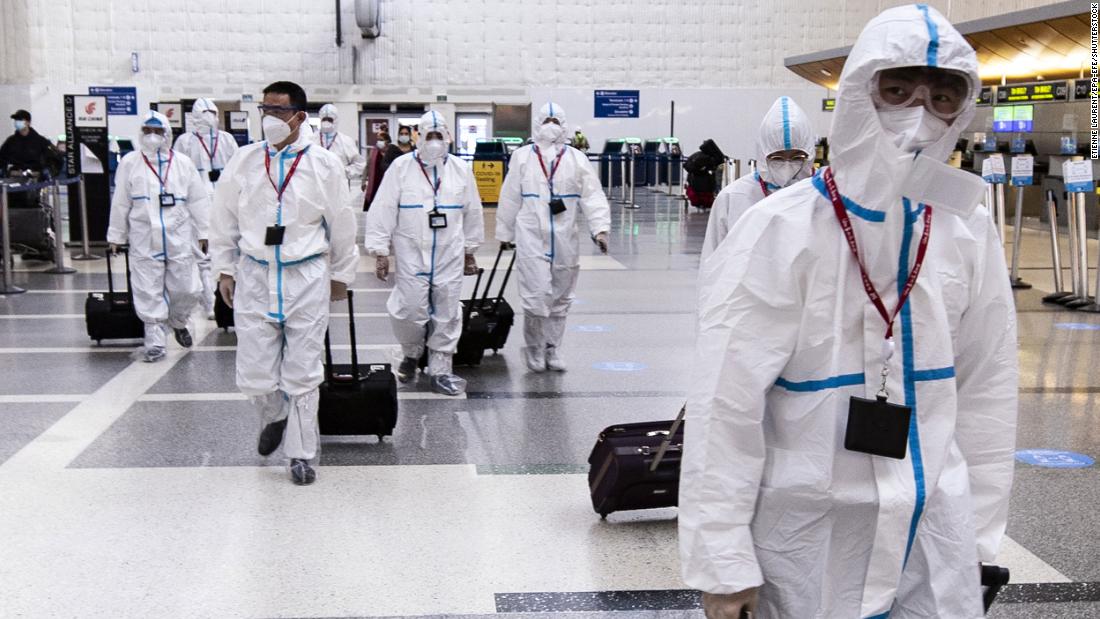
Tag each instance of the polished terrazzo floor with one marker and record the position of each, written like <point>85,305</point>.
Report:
<point>134,490</point>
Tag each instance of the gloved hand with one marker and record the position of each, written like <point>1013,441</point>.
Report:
<point>338,291</point>
<point>506,245</point>
<point>731,605</point>
<point>601,242</point>
<point>204,245</point>
<point>381,267</point>
<point>111,247</point>
<point>227,286</point>
<point>470,268</point>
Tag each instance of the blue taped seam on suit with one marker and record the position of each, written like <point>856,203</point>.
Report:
<point>884,615</point>
<point>139,197</point>
<point>934,374</point>
<point>857,210</point>
<point>908,377</point>
<point>567,195</point>
<point>786,123</point>
<point>833,382</point>
<point>431,273</point>
<point>410,206</point>
<point>448,206</point>
<point>163,230</point>
<point>529,195</point>
<point>933,35</point>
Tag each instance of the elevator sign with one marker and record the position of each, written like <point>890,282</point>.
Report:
<point>616,103</point>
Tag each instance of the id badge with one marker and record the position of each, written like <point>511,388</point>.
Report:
<point>214,175</point>
<point>167,199</point>
<point>557,206</point>
<point>437,221</point>
<point>274,235</point>
<point>877,427</point>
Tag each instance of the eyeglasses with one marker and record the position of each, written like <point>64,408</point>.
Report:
<point>945,93</point>
<point>279,111</point>
<point>156,130</point>
<point>797,158</point>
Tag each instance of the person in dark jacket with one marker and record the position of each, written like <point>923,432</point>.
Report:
<point>701,168</point>
<point>383,154</point>
<point>27,150</point>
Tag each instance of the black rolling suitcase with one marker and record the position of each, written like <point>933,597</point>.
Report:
<point>111,315</point>
<point>498,313</point>
<point>475,333</point>
<point>354,402</point>
<point>223,314</point>
<point>637,466</point>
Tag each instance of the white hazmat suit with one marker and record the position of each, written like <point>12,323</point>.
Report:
<point>161,234</point>
<point>429,261</point>
<point>281,300</point>
<point>340,144</point>
<point>210,150</point>
<point>785,127</point>
<point>769,495</point>
<point>548,245</point>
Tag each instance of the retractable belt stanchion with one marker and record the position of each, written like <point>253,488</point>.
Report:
<point>999,191</point>
<point>1055,254</point>
<point>668,170</point>
<point>86,249</point>
<point>622,178</point>
<point>1074,255</point>
<point>1094,307</point>
<point>1018,223</point>
<point>736,169</point>
<point>59,267</point>
<point>630,202</point>
<point>607,184</point>
<point>8,287</point>
<point>1081,296</point>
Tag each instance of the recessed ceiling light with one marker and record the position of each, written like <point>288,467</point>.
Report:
<point>826,73</point>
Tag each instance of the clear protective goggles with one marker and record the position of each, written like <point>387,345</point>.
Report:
<point>945,93</point>
<point>278,111</point>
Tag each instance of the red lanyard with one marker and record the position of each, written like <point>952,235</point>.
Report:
<point>163,181</point>
<point>438,179</point>
<point>286,181</point>
<point>209,153</point>
<point>846,226</point>
<point>553,168</point>
<point>763,185</point>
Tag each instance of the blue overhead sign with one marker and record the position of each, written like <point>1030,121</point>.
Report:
<point>616,103</point>
<point>121,100</point>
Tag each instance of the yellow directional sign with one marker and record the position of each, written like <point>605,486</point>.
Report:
<point>490,177</point>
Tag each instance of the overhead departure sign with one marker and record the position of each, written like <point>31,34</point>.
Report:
<point>616,103</point>
<point>1027,93</point>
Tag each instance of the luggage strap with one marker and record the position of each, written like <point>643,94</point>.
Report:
<point>668,439</point>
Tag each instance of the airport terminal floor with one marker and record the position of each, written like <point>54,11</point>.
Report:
<point>134,490</point>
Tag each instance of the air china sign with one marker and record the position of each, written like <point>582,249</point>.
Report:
<point>90,111</point>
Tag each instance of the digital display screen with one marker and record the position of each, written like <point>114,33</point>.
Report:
<point>1041,91</point>
<point>1013,118</point>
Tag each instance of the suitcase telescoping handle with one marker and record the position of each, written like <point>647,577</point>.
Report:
<point>668,439</point>
<point>492,274</point>
<point>473,297</point>
<point>111,276</point>
<point>504,283</point>
<point>354,346</point>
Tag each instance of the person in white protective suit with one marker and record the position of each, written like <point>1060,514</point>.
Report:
<point>428,210</point>
<point>161,210</point>
<point>209,149</point>
<point>283,244</point>
<point>548,186</point>
<point>786,146</point>
<point>776,514</point>
<point>340,144</point>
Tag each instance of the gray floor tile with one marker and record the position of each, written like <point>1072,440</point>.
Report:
<point>22,423</point>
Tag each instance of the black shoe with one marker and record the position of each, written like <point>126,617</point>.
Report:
<point>301,473</point>
<point>271,437</point>
<point>183,336</point>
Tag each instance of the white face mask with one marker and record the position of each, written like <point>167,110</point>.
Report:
<point>912,128</point>
<point>207,120</point>
<point>379,144</point>
<point>276,131</point>
<point>783,173</point>
<point>550,132</point>
<point>151,142</point>
<point>432,151</point>
<point>403,139</point>
<point>327,126</point>
<point>20,125</point>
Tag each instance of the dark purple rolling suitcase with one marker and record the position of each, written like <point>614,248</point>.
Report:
<point>637,466</point>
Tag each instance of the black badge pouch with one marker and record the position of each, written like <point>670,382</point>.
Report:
<point>214,175</point>
<point>437,220</point>
<point>557,206</point>
<point>167,199</point>
<point>877,427</point>
<point>274,235</point>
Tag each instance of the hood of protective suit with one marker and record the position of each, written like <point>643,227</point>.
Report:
<point>785,127</point>
<point>868,167</point>
<point>550,110</point>
<point>204,105</point>
<point>152,118</point>
<point>328,110</point>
